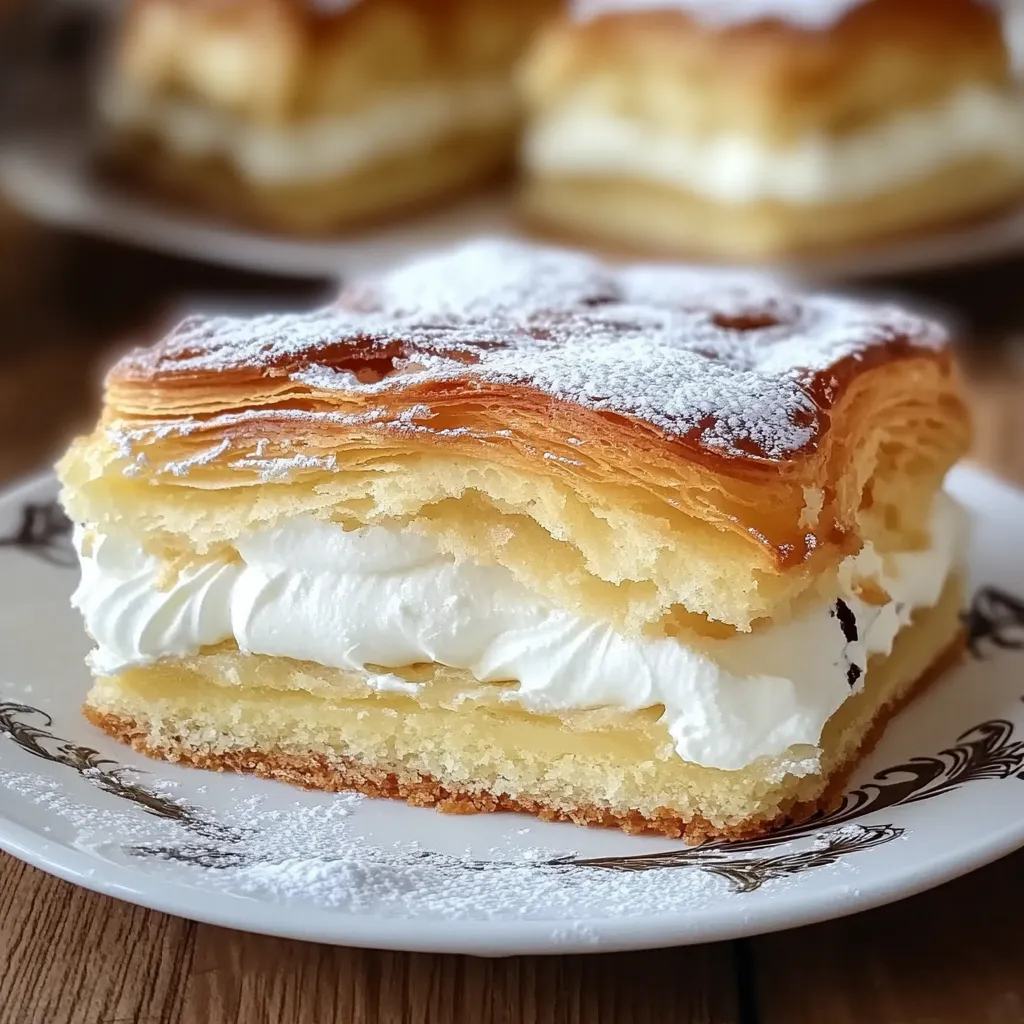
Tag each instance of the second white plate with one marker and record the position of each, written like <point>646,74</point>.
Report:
<point>48,175</point>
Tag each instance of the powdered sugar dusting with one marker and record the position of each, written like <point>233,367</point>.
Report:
<point>487,281</point>
<point>729,361</point>
<point>329,7</point>
<point>808,14</point>
<point>203,458</point>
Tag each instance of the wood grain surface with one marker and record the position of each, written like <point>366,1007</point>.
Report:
<point>68,956</point>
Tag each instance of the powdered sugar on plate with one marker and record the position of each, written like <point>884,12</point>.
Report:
<point>727,361</point>
<point>310,852</point>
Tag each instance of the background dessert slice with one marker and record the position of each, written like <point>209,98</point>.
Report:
<point>752,130</point>
<point>510,528</point>
<point>308,117</point>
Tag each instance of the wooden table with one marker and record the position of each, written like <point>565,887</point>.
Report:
<point>950,956</point>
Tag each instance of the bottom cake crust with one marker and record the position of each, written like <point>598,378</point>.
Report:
<point>315,771</point>
<point>632,219</point>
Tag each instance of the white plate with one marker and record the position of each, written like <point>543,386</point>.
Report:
<point>47,175</point>
<point>941,795</point>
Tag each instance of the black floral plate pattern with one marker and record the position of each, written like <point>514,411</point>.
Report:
<point>44,531</point>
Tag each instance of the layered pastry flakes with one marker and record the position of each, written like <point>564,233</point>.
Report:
<point>750,129</point>
<point>508,529</point>
<point>310,115</point>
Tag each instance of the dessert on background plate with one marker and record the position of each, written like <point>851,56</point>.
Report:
<point>511,529</point>
<point>312,115</point>
<point>757,129</point>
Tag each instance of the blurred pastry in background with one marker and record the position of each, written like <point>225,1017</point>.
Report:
<point>752,129</point>
<point>310,115</point>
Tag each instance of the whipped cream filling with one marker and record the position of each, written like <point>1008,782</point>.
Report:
<point>582,138</point>
<point>318,148</point>
<point>307,589</point>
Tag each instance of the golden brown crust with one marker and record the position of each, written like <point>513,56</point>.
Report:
<point>797,51</point>
<point>776,77</point>
<point>316,772</point>
<point>282,60</point>
<point>631,442</point>
<point>316,16</point>
<point>727,398</point>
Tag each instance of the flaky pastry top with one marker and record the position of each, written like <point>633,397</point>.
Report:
<point>801,14</point>
<point>632,439</point>
<point>276,61</point>
<point>732,371</point>
<point>720,367</point>
<point>778,68</point>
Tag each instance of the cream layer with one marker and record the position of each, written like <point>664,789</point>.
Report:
<point>582,137</point>
<point>318,148</point>
<point>372,597</point>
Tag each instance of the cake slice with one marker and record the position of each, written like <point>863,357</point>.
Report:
<point>310,116</point>
<point>509,529</point>
<point>758,129</point>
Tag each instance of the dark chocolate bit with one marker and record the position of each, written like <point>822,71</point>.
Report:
<point>846,620</point>
<point>853,673</point>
